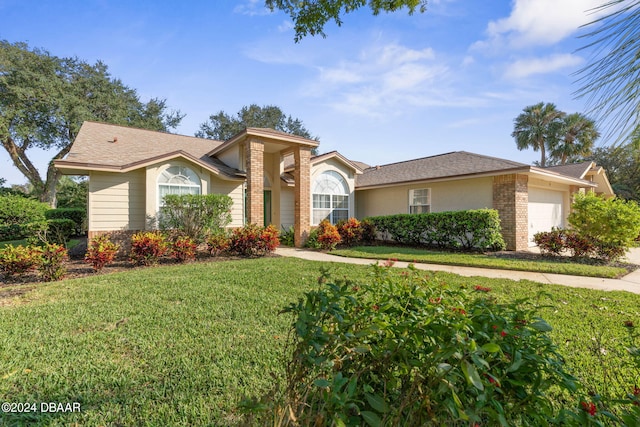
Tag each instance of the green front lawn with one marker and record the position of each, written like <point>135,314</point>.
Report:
<point>181,345</point>
<point>549,265</point>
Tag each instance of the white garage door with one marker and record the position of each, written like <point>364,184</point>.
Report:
<point>545,211</point>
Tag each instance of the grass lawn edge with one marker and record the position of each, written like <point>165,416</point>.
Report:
<point>541,266</point>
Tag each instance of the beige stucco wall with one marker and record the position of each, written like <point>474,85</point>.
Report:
<point>344,170</point>
<point>445,196</point>
<point>116,201</point>
<point>233,156</point>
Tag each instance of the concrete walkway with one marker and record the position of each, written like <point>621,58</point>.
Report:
<point>629,283</point>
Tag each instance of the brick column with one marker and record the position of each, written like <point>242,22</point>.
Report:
<point>255,182</point>
<point>302,209</point>
<point>511,200</point>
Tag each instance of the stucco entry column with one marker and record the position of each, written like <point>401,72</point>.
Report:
<point>511,200</point>
<point>255,182</point>
<point>302,176</point>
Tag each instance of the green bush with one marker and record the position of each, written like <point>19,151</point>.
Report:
<point>405,349</point>
<point>59,231</point>
<point>470,230</point>
<point>16,212</point>
<point>196,215</point>
<point>287,237</point>
<point>77,215</point>
<point>312,241</point>
<point>612,223</point>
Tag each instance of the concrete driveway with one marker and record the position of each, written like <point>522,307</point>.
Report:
<point>629,283</point>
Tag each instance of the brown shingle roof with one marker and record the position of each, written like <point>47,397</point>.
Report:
<point>576,170</point>
<point>120,147</point>
<point>448,165</point>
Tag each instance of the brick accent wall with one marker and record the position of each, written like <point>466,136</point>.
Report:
<point>255,182</point>
<point>302,200</point>
<point>511,200</point>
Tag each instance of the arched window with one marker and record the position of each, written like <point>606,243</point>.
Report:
<point>177,180</point>
<point>330,197</point>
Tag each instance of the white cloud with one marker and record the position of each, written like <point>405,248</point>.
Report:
<point>252,8</point>
<point>382,79</point>
<point>527,67</point>
<point>540,22</point>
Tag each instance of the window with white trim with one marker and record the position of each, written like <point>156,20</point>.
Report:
<point>330,197</point>
<point>420,200</point>
<point>178,180</point>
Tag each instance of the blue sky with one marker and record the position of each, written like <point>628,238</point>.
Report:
<point>378,89</point>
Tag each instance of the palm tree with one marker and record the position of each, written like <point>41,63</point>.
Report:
<point>538,127</point>
<point>609,82</point>
<point>577,136</point>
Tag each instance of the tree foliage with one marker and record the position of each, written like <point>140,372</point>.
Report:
<point>622,163</point>
<point>611,80</point>
<point>44,99</point>
<point>567,137</point>
<point>222,126</point>
<point>310,17</point>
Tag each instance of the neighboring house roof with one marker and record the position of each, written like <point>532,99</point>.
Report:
<point>454,164</point>
<point>100,146</point>
<point>589,171</point>
<point>576,170</point>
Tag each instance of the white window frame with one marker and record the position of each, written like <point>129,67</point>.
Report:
<point>185,181</point>
<point>419,202</point>
<point>329,197</point>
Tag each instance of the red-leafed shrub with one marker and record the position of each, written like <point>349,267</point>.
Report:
<point>16,260</point>
<point>367,231</point>
<point>52,261</point>
<point>101,252</point>
<point>579,246</point>
<point>183,249</point>
<point>328,235</point>
<point>147,247</point>
<point>218,243</point>
<point>350,231</point>
<point>550,242</point>
<point>252,240</point>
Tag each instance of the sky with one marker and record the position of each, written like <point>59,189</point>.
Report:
<point>378,89</point>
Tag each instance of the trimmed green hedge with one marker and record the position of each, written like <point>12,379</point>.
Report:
<point>77,215</point>
<point>477,229</point>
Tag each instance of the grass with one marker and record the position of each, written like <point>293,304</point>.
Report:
<point>556,266</point>
<point>181,345</point>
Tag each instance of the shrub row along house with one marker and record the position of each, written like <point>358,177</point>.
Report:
<point>273,178</point>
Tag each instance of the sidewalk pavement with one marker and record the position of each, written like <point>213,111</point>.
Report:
<point>629,283</point>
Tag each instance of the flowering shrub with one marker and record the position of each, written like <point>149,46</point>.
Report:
<point>217,243</point>
<point>16,260</point>
<point>183,249</point>
<point>350,231</point>
<point>410,350</point>
<point>252,240</point>
<point>51,266</point>
<point>328,235</point>
<point>147,247</point>
<point>101,252</point>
